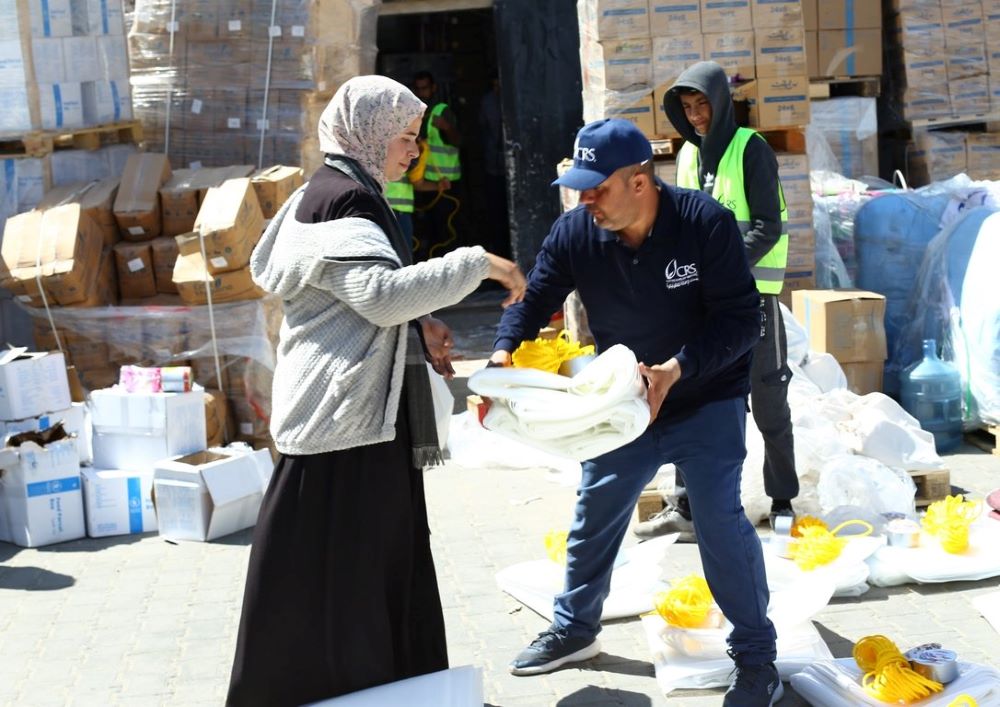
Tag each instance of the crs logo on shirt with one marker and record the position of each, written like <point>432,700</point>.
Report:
<point>680,275</point>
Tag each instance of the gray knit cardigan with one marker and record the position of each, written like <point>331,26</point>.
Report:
<point>342,345</point>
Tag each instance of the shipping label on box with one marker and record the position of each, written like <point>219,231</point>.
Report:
<point>138,429</point>
<point>781,52</point>
<point>733,51</point>
<point>40,498</point>
<point>210,494</point>
<point>848,324</point>
<point>118,501</point>
<point>674,18</point>
<point>849,14</point>
<point>850,52</point>
<point>783,102</point>
<point>613,19</point>
<point>963,23</point>
<point>274,185</point>
<point>137,206</point>
<point>777,13</point>
<point>725,16</point>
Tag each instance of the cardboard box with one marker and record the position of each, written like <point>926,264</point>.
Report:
<point>777,13</point>
<point>936,155</point>
<point>810,15</point>
<point>104,291</point>
<point>849,14</point>
<point>725,16</point>
<point>118,501</point>
<point>135,430</point>
<point>74,420</point>
<point>192,279</point>
<point>970,96</point>
<point>966,61</point>
<point>230,222</point>
<point>179,202</point>
<point>164,250</point>
<point>812,53</point>
<point>96,199</point>
<point>733,51</point>
<point>32,383</point>
<point>273,186</point>
<point>963,23</point>
<point>672,55</point>
<point>40,498</point>
<point>218,426</point>
<point>783,102</point>
<point>137,206</point>
<point>864,377</point>
<point>920,30</point>
<point>983,155</point>
<point>134,265</point>
<point>793,171</point>
<point>849,52</point>
<point>795,281</point>
<point>617,64</point>
<point>666,172</point>
<point>210,494</point>
<point>781,52</point>
<point>663,126</point>
<point>745,99</point>
<point>848,324</point>
<point>613,19</point>
<point>674,18</point>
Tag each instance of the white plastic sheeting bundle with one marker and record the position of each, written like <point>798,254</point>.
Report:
<point>838,682</point>
<point>601,408</point>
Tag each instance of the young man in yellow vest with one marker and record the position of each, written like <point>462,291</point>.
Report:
<point>738,168</point>
<point>440,130</point>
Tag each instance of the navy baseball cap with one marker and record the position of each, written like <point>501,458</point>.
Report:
<point>601,148</point>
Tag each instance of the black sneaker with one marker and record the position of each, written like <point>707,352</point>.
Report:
<point>754,686</point>
<point>781,512</point>
<point>551,650</point>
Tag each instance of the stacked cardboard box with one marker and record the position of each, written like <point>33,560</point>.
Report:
<point>632,52</point>
<point>937,155</point>
<point>800,271</point>
<point>849,325</point>
<point>64,64</point>
<point>844,37</point>
<point>217,82</point>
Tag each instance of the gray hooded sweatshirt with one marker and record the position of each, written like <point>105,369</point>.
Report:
<point>760,167</point>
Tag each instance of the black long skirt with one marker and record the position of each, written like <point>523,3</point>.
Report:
<point>341,592</point>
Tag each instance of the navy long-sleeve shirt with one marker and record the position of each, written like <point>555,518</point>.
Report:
<point>686,292</point>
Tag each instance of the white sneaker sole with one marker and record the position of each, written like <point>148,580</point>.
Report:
<point>585,653</point>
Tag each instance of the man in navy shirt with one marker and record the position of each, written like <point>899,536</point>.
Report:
<point>662,271</point>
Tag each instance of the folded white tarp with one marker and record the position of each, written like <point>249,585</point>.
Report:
<point>457,687</point>
<point>838,682</point>
<point>601,408</point>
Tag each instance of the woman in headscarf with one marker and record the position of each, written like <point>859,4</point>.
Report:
<point>341,592</point>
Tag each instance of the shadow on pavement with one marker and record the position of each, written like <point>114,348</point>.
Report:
<point>242,538</point>
<point>608,663</point>
<point>94,544</point>
<point>840,646</point>
<point>7,551</point>
<point>33,579</point>
<point>592,695</point>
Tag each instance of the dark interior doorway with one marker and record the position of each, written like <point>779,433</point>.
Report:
<point>459,49</point>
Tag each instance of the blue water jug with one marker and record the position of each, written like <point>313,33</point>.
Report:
<point>931,391</point>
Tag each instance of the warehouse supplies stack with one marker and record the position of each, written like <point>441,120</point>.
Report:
<point>64,64</point>
<point>938,155</point>
<point>800,269</point>
<point>843,38</point>
<point>849,128</point>
<point>631,52</point>
<point>221,82</point>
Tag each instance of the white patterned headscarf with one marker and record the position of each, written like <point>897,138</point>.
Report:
<point>363,116</point>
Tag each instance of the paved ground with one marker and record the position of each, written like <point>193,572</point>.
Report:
<point>140,621</point>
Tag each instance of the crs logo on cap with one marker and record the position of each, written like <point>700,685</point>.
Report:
<point>584,154</point>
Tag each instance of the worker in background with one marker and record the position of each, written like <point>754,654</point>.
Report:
<point>440,131</point>
<point>400,193</point>
<point>738,168</point>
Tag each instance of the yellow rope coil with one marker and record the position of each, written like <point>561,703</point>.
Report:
<point>549,354</point>
<point>888,676</point>
<point>949,519</point>
<point>817,546</point>
<point>555,545</point>
<point>802,522</point>
<point>686,604</point>
<point>964,700</point>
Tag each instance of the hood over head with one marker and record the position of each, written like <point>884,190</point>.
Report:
<point>709,78</point>
<point>364,114</point>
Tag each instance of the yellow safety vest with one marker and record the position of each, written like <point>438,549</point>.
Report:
<point>399,194</point>
<point>729,191</point>
<point>442,162</point>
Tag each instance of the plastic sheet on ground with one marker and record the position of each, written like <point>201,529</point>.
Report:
<point>798,646</point>
<point>848,573</point>
<point>634,581</point>
<point>989,606</point>
<point>837,683</point>
<point>601,408</point>
<point>456,687</point>
<point>929,564</point>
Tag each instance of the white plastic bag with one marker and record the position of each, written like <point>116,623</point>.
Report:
<point>444,403</point>
<point>852,480</point>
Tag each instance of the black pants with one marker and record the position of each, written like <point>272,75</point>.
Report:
<point>341,592</point>
<point>769,378</point>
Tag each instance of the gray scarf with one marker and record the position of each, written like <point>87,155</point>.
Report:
<point>416,383</point>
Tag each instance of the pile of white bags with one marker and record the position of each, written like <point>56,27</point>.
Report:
<point>601,408</point>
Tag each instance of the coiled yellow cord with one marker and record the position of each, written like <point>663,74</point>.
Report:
<point>802,522</point>
<point>817,546</point>
<point>888,676</point>
<point>549,354</point>
<point>686,604</point>
<point>555,545</point>
<point>964,700</point>
<point>949,521</point>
